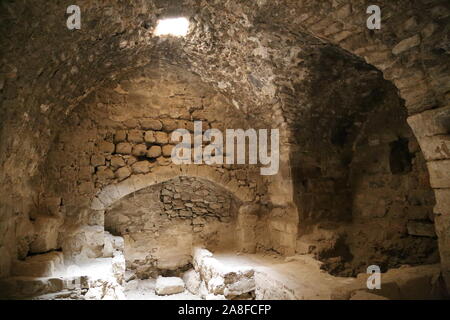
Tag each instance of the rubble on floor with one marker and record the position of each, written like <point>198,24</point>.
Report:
<point>169,285</point>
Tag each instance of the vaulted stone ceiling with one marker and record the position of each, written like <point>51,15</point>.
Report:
<point>266,57</point>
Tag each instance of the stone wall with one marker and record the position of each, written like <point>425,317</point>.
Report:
<point>249,51</point>
<point>161,224</point>
<point>392,200</point>
<point>121,135</point>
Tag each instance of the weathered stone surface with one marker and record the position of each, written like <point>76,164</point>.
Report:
<point>106,147</point>
<point>222,280</point>
<point>421,229</point>
<point>192,281</point>
<point>150,137</point>
<point>136,136</point>
<point>439,175</point>
<point>124,148</point>
<point>117,162</point>
<point>47,231</point>
<point>167,150</point>
<point>139,150</point>
<point>42,265</point>
<point>118,266</point>
<point>97,160</point>
<point>151,124</point>
<point>141,167</point>
<point>120,136</point>
<point>436,147</point>
<point>161,138</point>
<point>431,122</point>
<point>334,166</point>
<point>83,244</point>
<point>154,152</point>
<point>123,173</point>
<point>169,285</point>
<point>406,44</point>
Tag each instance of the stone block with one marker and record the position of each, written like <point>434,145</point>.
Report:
<point>406,44</point>
<point>97,160</point>
<point>42,265</point>
<point>106,147</point>
<point>439,173</point>
<point>151,124</point>
<point>421,229</point>
<point>169,285</point>
<point>47,231</point>
<point>139,150</point>
<point>192,281</point>
<point>123,173</point>
<point>161,138</point>
<point>141,167</point>
<point>136,136</point>
<point>124,148</point>
<point>120,136</point>
<point>154,152</point>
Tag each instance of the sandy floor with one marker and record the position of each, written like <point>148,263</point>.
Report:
<point>145,290</point>
<point>298,277</point>
<point>276,277</point>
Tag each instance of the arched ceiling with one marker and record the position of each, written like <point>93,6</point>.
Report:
<point>249,50</point>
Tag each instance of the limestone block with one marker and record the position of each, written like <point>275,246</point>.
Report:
<point>42,265</point>
<point>169,285</point>
<point>83,244</point>
<point>161,138</point>
<point>123,148</point>
<point>117,162</point>
<point>439,173</point>
<point>154,152</point>
<point>86,187</point>
<point>120,136</point>
<point>151,124</point>
<point>167,150</point>
<point>442,201</point>
<point>406,44</point>
<point>106,147</point>
<point>141,167</point>
<point>47,230</point>
<point>108,248</point>
<point>104,173</point>
<point>436,147</point>
<point>118,266</point>
<point>25,234</point>
<point>430,123</point>
<point>131,123</point>
<point>85,172</point>
<point>97,160</point>
<point>192,281</point>
<point>136,136</point>
<point>123,173</point>
<point>150,137</point>
<point>416,228</point>
<point>221,280</point>
<point>139,150</point>
<point>162,161</point>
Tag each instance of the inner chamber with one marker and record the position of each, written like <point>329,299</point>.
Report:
<point>94,208</point>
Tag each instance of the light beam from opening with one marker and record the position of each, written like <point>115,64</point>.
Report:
<point>177,27</point>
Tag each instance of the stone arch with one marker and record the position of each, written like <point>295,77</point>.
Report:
<point>410,51</point>
<point>114,192</point>
<point>410,27</point>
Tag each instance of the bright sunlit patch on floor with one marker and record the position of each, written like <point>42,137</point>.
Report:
<point>175,27</point>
